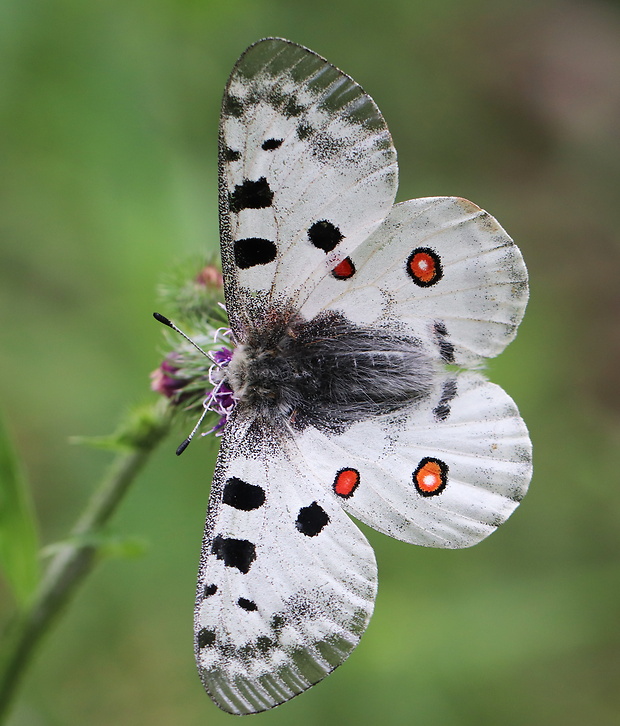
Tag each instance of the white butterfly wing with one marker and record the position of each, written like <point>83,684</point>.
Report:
<point>287,581</point>
<point>307,171</point>
<point>445,473</point>
<point>439,269</point>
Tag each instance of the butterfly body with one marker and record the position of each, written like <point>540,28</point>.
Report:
<point>359,329</point>
<point>326,372</point>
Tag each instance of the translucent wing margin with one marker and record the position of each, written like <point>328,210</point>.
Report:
<point>286,583</point>
<point>307,171</point>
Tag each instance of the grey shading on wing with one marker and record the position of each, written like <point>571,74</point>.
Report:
<point>307,171</point>
<point>287,582</point>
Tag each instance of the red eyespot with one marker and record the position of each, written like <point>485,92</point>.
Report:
<point>346,482</point>
<point>424,267</point>
<point>430,477</point>
<point>344,270</point>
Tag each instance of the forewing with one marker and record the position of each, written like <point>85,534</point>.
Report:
<point>287,581</point>
<point>439,269</point>
<point>307,171</point>
<point>444,473</point>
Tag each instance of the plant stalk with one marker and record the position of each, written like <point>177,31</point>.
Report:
<point>73,561</point>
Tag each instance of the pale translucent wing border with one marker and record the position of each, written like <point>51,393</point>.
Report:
<point>472,306</point>
<point>287,581</point>
<point>307,171</point>
<point>445,473</point>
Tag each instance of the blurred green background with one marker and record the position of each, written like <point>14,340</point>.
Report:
<point>108,129</point>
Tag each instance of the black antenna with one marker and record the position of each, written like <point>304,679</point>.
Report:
<point>166,321</point>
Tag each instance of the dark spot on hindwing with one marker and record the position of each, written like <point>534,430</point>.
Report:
<point>446,348</point>
<point>238,553</point>
<point>210,590</point>
<point>243,496</point>
<point>251,195</point>
<point>431,476</point>
<point>245,604</point>
<point>205,637</point>
<point>324,235</point>
<point>448,393</point>
<point>254,251</point>
<point>271,144</point>
<point>311,520</point>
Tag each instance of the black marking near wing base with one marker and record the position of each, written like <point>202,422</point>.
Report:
<point>448,392</point>
<point>324,235</point>
<point>209,590</point>
<point>446,349</point>
<point>243,496</point>
<point>312,519</point>
<point>251,195</point>
<point>238,553</point>
<point>254,251</point>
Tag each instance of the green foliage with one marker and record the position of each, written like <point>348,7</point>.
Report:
<point>18,529</point>
<point>108,131</point>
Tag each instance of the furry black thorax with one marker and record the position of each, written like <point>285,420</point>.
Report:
<point>326,372</point>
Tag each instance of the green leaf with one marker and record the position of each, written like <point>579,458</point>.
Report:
<point>18,531</point>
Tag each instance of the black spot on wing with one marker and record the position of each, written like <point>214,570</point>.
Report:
<point>325,235</point>
<point>210,590</point>
<point>251,195</point>
<point>232,106</point>
<point>304,130</point>
<point>254,251</point>
<point>238,553</point>
<point>288,105</point>
<point>448,393</point>
<point>271,144</point>
<point>205,638</point>
<point>241,495</point>
<point>230,154</point>
<point>245,604</point>
<point>311,520</point>
<point>446,348</point>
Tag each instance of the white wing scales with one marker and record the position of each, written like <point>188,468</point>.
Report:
<point>307,179</point>
<point>287,582</point>
<point>470,427</point>
<point>307,171</point>
<point>473,306</point>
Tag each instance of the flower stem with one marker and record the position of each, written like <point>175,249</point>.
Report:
<point>75,558</point>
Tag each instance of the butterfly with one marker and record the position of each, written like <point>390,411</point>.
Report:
<point>359,326</point>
